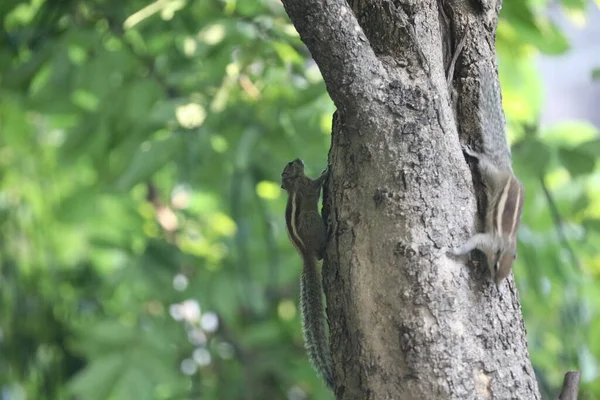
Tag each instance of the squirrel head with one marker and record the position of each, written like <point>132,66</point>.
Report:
<point>291,172</point>
<point>500,263</point>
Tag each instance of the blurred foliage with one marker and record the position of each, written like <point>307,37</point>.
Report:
<point>142,245</point>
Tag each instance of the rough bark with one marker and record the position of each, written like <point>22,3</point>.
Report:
<point>406,321</point>
<point>570,387</point>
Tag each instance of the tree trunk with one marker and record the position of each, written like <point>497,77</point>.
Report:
<point>407,321</point>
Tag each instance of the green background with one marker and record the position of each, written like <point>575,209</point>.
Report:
<point>140,151</point>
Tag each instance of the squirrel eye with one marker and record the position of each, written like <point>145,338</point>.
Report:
<point>496,266</point>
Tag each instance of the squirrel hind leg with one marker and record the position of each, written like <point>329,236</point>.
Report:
<point>327,237</point>
<point>315,234</point>
<point>320,254</point>
<point>322,249</point>
<point>492,176</point>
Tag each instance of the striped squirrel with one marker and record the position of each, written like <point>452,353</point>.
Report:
<point>505,194</point>
<point>307,233</point>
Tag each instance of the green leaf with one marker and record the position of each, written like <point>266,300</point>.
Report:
<point>84,99</point>
<point>77,207</point>
<point>534,29</point>
<point>126,362</point>
<point>575,4</point>
<point>121,375</point>
<point>592,224</point>
<point>552,41</point>
<point>141,96</point>
<point>576,161</point>
<point>261,334</point>
<point>16,131</point>
<point>596,74</point>
<point>97,379</point>
<point>287,53</point>
<point>21,13</point>
<point>89,137</point>
<point>103,335</point>
<point>250,8</point>
<point>134,384</point>
<point>151,157</point>
<point>570,133</point>
<point>533,153</point>
<point>579,205</point>
<point>591,147</point>
<point>20,76</point>
<point>41,79</point>
<point>595,333</point>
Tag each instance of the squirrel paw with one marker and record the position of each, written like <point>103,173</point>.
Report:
<point>469,151</point>
<point>453,251</point>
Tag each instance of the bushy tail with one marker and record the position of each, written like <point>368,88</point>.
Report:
<point>316,339</point>
<point>493,124</point>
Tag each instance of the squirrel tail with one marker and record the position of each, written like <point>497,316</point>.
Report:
<point>316,340</point>
<point>493,123</point>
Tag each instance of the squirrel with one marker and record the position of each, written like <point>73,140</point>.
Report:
<point>504,192</point>
<point>307,232</point>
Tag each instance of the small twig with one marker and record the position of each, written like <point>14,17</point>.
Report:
<point>558,222</point>
<point>570,386</point>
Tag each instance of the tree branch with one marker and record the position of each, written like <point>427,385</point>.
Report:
<point>350,68</point>
<point>570,386</point>
<point>558,222</point>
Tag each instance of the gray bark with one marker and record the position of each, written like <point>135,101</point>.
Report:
<point>406,321</point>
<point>570,387</point>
